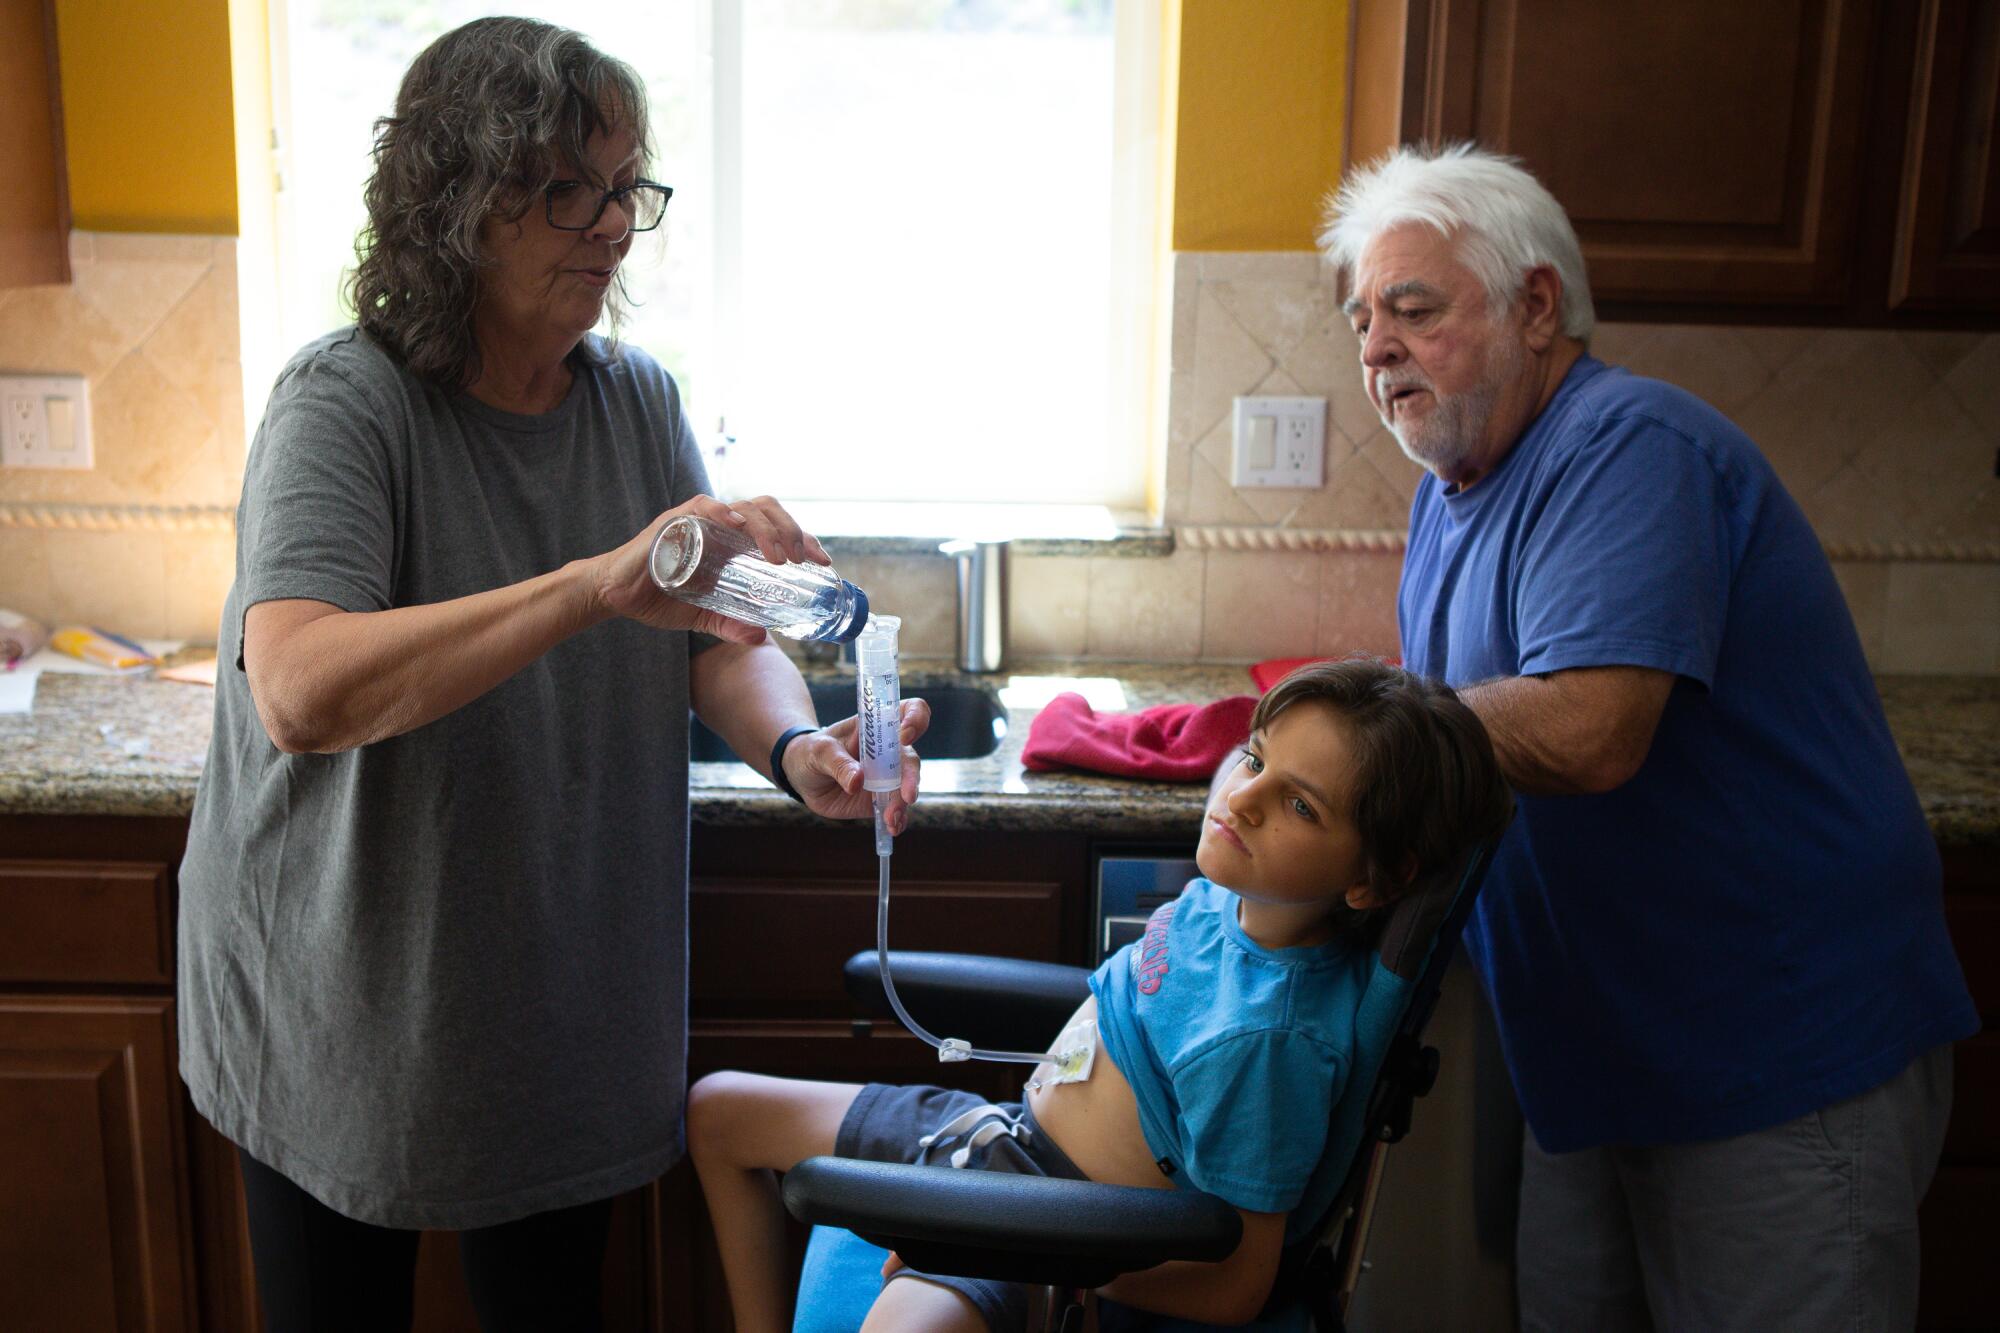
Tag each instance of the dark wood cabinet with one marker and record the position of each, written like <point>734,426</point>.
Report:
<point>34,206</point>
<point>95,1232</point>
<point>121,1208</point>
<point>1803,161</point>
<point>1947,244</point>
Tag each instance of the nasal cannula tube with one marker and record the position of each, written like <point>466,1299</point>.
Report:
<point>878,712</point>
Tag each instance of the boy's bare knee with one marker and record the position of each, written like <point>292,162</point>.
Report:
<point>910,1304</point>
<point>709,1103</point>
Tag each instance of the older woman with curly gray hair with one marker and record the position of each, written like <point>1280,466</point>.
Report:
<point>433,907</point>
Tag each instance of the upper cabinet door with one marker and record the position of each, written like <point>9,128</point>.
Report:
<point>1947,249</point>
<point>34,202</point>
<point>1708,151</point>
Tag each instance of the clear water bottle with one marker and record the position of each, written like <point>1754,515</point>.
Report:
<point>720,569</point>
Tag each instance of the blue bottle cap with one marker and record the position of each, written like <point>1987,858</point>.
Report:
<point>851,628</point>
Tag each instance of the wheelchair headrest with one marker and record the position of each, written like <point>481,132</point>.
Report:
<point>1415,922</point>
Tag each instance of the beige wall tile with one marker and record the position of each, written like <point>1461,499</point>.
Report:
<point>1259,604</point>
<point>24,574</point>
<point>1048,605</point>
<point>1278,315</point>
<point>154,442</point>
<point>922,590</point>
<point>1395,467</point>
<point>1357,604</point>
<point>1778,347</point>
<point>1179,452</point>
<point>135,288</point>
<point>1824,407</point>
<point>133,247</point>
<point>1865,584</point>
<point>1290,267</point>
<point>1885,438</point>
<point>200,568</point>
<point>151,321</point>
<point>1942,618</point>
<point>1149,609</point>
<point>1939,349</point>
<point>1227,362</point>
<point>48,331</point>
<point>1187,291</point>
<point>1620,344</point>
<point>1713,364</point>
<point>1210,497</point>
<point>1975,381</point>
<point>1328,364</point>
<point>117,580</point>
<point>1931,468</point>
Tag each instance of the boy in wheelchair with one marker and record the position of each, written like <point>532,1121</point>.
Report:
<point>1211,1051</point>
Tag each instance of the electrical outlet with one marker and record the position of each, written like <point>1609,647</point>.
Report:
<point>1279,442</point>
<point>45,421</point>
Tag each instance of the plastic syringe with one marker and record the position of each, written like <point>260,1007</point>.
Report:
<point>879,714</point>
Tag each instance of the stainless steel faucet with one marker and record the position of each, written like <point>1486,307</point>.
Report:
<point>982,603</point>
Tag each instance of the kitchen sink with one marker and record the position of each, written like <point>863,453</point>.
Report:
<point>966,721</point>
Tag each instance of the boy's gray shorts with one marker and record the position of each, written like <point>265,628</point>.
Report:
<point>888,1124</point>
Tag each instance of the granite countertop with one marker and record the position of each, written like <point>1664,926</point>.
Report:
<point>99,744</point>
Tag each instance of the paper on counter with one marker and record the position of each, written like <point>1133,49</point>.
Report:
<point>17,689</point>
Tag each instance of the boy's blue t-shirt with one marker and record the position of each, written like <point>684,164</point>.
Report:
<point>1236,1053</point>
<point>1751,927</point>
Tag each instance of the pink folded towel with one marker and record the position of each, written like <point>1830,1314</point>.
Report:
<point>1172,742</point>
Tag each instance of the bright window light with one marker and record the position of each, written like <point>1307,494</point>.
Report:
<point>906,258</point>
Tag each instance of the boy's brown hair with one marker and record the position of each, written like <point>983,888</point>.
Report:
<point>1426,787</point>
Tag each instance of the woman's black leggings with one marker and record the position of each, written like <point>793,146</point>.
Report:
<point>318,1270</point>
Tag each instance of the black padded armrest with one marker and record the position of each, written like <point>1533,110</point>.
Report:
<point>1074,1233</point>
<point>999,1003</point>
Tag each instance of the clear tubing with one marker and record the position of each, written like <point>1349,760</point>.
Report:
<point>951,1049</point>
<point>878,709</point>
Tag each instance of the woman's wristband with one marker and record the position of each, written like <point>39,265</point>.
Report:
<point>783,783</point>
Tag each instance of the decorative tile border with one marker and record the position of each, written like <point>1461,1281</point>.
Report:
<point>119,518</point>
<point>1219,538</point>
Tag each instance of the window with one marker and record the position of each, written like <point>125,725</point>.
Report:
<point>910,251</point>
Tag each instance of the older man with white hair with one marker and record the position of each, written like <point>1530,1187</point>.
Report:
<point>1713,938</point>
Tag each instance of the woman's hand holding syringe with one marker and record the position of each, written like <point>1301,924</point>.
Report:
<point>825,768</point>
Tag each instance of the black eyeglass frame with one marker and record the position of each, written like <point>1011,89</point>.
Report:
<point>553,189</point>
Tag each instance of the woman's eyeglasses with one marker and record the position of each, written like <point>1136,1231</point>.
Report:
<point>574,206</point>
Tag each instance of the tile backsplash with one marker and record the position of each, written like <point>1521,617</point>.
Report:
<point>142,543</point>
<point>1887,439</point>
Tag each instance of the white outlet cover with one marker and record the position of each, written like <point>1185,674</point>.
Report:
<point>1300,432</point>
<point>25,417</point>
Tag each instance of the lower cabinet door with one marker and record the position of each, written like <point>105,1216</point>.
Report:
<point>94,1217</point>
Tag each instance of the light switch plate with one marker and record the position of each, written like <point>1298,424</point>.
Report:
<point>1290,452</point>
<point>45,421</point>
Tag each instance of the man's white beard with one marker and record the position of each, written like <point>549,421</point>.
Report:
<point>1451,431</point>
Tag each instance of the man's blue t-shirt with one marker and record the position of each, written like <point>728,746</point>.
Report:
<point>1751,927</point>
<point>1236,1053</point>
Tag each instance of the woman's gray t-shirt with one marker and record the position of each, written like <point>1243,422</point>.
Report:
<point>440,980</point>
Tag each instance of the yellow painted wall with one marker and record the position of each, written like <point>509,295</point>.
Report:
<point>1258,121</point>
<point>147,115</point>
<point>1258,97</point>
